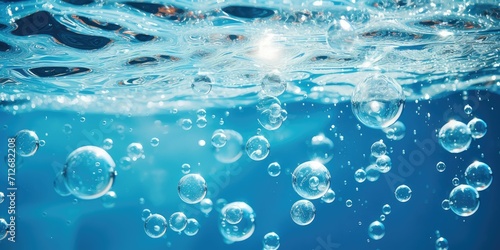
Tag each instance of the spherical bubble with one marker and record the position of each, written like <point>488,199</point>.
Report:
<point>177,222</point>
<point>273,85</point>
<point>135,151</point>
<point>386,209</point>
<point>125,163</point>
<point>89,172</point>
<point>468,109</point>
<point>360,175</point>
<point>455,136</point>
<point>464,200</point>
<point>384,164</point>
<point>107,144</point>
<point>145,214</point>
<point>201,113</point>
<point>186,124</point>
<point>219,204</point>
<point>192,188</point>
<point>26,143</point>
<point>378,101</point>
<point>403,193</point>
<point>301,180</point>
<point>440,166</point>
<point>303,212</point>
<point>60,185</point>
<point>268,121</point>
<point>348,203</point>
<point>67,129</point>
<point>478,175</point>
<point>441,244</point>
<point>201,122</point>
<point>2,197</point>
<point>395,131</point>
<point>372,173</point>
<point>478,128</point>
<point>376,230</point>
<point>4,227</point>
<point>232,213</point>
<point>445,204</point>
<point>266,102</point>
<point>219,139</point>
<point>185,168</point>
<point>382,217</point>
<point>271,241</point>
<point>274,169</point>
<point>320,148</point>
<point>455,181</point>
<point>341,37</point>
<point>232,149</point>
<point>192,227</point>
<point>329,196</point>
<point>243,229</point>
<point>202,84</point>
<point>109,199</point>
<point>378,148</point>
<point>206,206</point>
<point>155,226</point>
<point>257,148</point>
<point>155,142</point>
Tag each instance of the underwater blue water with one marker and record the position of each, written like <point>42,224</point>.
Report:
<point>79,72</point>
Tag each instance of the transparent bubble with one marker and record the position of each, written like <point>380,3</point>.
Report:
<point>384,163</point>
<point>177,222</point>
<point>89,172</point>
<point>135,151</point>
<point>301,178</point>
<point>464,200</point>
<point>186,124</point>
<point>186,168</point>
<point>202,84</point>
<point>455,181</point>
<point>445,204</point>
<point>478,128</point>
<point>145,214</point>
<point>271,241</point>
<point>232,213</point>
<point>382,217</point>
<point>468,109</point>
<point>219,204</point>
<point>378,101</point>
<point>243,229</point>
<point>303,212</point>
<point>192,188</point>
<point>376,230</point>
<point>348,203</point>
<point>273,85</point>
<point>269,121</point>
<point>386,209</point>
<point>320,148</point>
<point>341,37</point>
<point>455,136</point>
<point>109,199</point>
<point>2,197</point>
<point>41,143</point>
<point>403,193</point>
<point>125,163</point>
<point>219,139</point>
<point>4,227</point>
<point>67,129</point>
<point>378,148</point>
<point>60,185</point>
<point>201,113</point>
<point>26,143</point>
<point>232,149</point>
<point>274,169</point>
<point>201,122</point>
<point>266,102</point>
<point>441,244</point>
<point>192,227</point>
<point>206,206</point>
<point>360,175</point>
<point>440,166</point>
<point>155,226</point>
<point>395,131</point>
<point>107,144</point>
<point>257,148</point>
<point>155,142</point>
<point>372,173</point>
<point>329,196</point>
<point>478,175</point>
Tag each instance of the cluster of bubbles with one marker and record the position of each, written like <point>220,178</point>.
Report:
<point>271,114</point>
<point>378,101</point>
<point>241,223</point>
<point>320,148</point>
<point>382,163</point>
<point>192,188</point>
<point>27,143</point>
<point>257,147</point>
<point>455,136</point>
<point>155,225</point>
